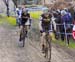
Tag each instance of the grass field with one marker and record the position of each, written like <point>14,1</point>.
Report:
<point>63,43</point>
<point>36,14</point>
<point>11,20</point>
<point>2,19</point>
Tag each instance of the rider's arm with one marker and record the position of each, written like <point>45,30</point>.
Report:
<point>53,23</point>
<point>40,23</point>
<point>28,15</point>
<point>30,20</point>
<point>25,16</point>
<point>20,13</point>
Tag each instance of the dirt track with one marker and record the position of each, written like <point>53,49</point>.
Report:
<point>10,51</point>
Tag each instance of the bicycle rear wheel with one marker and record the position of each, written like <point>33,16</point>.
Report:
<point>23,37</point>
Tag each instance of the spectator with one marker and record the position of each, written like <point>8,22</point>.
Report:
<point>18,18</point>
<point>66,18</point>
<point>63,19</point>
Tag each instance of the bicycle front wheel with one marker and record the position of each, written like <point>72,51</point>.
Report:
<point>49,52</point>
<point>49,49</point>
<point>23,42</point>
<point>24,38</point>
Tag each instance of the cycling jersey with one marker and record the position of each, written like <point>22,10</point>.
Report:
<point>25,17</point>
<point>45,22</point>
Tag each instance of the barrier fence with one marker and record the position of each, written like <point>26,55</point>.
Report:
<point>65,32</point>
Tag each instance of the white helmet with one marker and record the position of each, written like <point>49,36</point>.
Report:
<point>63,12</point>
<point>17,9</point>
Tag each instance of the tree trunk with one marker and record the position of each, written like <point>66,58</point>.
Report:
<point>7,5</point>
<point>8,10</point>
<point>15,2</point>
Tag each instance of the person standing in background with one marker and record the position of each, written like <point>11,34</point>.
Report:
<point>18,16</point>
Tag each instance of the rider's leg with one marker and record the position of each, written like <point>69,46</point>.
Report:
<point>43,41</point>
<point>21,27</point>
<point>26,29</point>
<point>30,23</point>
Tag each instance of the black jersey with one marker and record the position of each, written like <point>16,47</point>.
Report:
<point>25,17</point>
<point>46,20</point>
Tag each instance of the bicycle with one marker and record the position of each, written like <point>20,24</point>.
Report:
<point>23,34</point>
<point>48,46</point>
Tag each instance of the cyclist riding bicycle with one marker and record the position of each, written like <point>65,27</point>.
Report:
<point>44,25</point>
<point>25,16</point>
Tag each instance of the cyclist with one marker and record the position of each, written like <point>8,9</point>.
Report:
<point>25,16</point>
<point>44,23</point>
<point>18,16</point>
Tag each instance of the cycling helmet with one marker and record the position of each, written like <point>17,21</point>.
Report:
<point>63,12</point>
<point>17,9</point>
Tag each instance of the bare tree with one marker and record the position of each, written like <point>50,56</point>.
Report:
<point>7,5</point>
<point>15,2</point>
